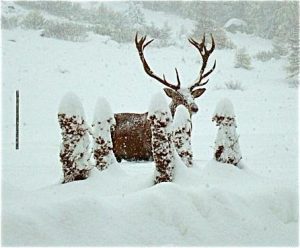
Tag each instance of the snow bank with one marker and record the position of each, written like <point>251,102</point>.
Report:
<point>217,206</point>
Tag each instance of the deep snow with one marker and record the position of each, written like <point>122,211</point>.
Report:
<point>208,204</point>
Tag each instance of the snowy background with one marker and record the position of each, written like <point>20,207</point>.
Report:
<point>49,49</point>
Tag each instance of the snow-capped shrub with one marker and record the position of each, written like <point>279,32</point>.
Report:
<point>264,56</point>
<point>207,25</point>
<point>242,59</point>
<point>101,132</point>
<point>164,35</point>
<point>57,8</point>
<point>279,47</point>
<point>33,20</point>
<point>75,148</point>
<point>161,35</point>
<point>135,15</point>
<point>162,148</point>
<point>9,22</point>
<point>234,85</point>
<point>65,31</point>
<point>227,148</point>
<point>182,129</point>
<point>111,23</point>
<point>119,33</point>
<point>234,25</point>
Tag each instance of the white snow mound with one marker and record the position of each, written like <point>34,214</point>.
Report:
<point>235,22</point>
<point>102,110</point>
<point>158,104</point>
<point>224,108</point>
<point>71,105</point>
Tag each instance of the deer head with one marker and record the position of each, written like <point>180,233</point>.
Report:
<point>181,96</point>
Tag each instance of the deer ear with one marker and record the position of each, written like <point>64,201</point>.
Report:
<point>170,93</point>
<point>198,92</point>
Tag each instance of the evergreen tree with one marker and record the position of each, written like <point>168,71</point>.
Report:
<point>135,16</point>
<point>242,59</point>
<point>279,47</point>
<point>164,34</point>
<point>293,58</point>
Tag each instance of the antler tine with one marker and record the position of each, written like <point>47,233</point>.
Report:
<point>212,44</point>
<point>177,76</point>
<point>140,47</point>
<point>205,55</point>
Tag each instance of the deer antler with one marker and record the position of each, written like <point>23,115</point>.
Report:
<point>140,47</point>
<point>205,55</point>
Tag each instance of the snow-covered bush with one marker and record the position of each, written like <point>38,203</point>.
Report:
<point>207,25</point>
<point>182,130</point>
<point>264,56</point>
<point>65,9</point>
<point>234,25</point>
<point>234,85</point>
<point>162,148</point>
<point>111,23</point>
<point>161,35</point>
<point>164,35</point>
<point>9,22</point>
<point>75,150</point>
<point>33,20</point>
<point>135,15</point>
<point>101,131</point>
<point>242,59</point>
<point>227,148</point>
<point>65,31</point>
<point>279,47</point>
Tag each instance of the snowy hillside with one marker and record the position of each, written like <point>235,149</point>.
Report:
<point>209,204</point>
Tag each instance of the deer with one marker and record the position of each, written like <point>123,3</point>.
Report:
<point>131,135</point>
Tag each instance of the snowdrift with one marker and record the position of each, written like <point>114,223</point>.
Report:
<point>217,205</point>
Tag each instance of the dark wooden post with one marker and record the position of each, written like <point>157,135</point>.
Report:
<point>17,119</point>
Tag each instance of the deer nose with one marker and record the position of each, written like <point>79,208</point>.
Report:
<point>194,108</point>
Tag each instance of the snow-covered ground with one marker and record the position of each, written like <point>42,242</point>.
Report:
<point>208,204</point>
